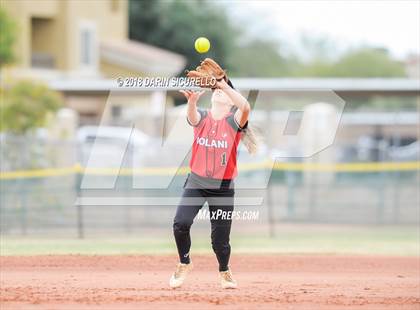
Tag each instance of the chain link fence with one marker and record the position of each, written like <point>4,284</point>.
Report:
<point>40,184</point>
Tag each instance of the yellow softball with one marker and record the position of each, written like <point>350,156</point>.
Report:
<point>202,45</point>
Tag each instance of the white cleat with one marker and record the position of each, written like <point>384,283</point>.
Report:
<point>226,280</point>
<point>180,274</point>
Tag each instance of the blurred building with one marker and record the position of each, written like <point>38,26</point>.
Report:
<point>364,134</point>
<point>412,66</point>
<point>86,41</point>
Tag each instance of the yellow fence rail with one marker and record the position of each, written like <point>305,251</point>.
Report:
<point>156,171</point>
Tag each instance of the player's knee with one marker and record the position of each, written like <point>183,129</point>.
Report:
<point>181,226</point>
<point>222,247</point>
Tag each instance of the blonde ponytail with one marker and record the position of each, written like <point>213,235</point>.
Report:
<point>250,138</point>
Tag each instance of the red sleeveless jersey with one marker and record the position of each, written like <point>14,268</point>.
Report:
<point>215,147</point>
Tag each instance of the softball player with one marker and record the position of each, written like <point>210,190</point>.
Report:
<point>217,133</point>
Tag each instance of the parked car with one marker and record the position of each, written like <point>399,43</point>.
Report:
<point>405,153</point>
<point>111,147</point>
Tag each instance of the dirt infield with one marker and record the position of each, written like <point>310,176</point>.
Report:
<point>266,282</point>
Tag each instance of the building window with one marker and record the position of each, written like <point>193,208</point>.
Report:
<point>88,46</point>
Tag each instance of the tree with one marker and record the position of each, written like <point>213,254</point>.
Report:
<point>361,62</point>
<point>7,38</point>
<point>368,62</point>
<point>26,105</point>
<point>174,25</point>
<point>260,58</point>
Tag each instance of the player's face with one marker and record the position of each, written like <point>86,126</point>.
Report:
<point>220,98</point>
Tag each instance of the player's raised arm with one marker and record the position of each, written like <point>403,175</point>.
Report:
<point>193,115</point>
<point>242,114</point>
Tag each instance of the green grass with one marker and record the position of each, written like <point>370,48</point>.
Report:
<point>377,241</point>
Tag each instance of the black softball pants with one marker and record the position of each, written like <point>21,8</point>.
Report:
<point>220,201</point>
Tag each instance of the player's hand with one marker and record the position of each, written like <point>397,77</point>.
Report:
<point>192,96</point>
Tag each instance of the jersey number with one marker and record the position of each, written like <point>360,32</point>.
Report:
<point>223,163</point>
